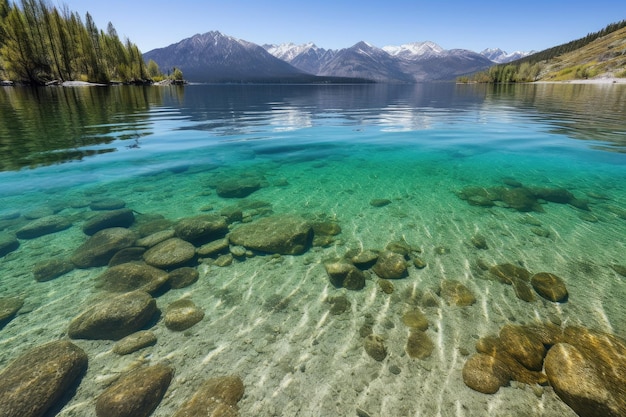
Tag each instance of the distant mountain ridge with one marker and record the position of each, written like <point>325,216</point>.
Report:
<point>215,57</point>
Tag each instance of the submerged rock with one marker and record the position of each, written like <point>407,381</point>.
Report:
<point>43,226</point>
<point>108,219</point>
<point>132,276</point>
<point>238,187</point>
<point>135,341</point>
<point>51,269</point>
<point>100,248</point>
<point>286,235</point>
<point>136,394</point>
<point>107,204</point>
<point>9,306</point>
<point>8,243</point>
<point>550,286</point>
<point>216,397</point>
<point>375,347</point>
<point>380,202</point>
<point>415,319</point>
<point>485,373</point>
<point>581,385</point>
<point>390,265</point>
<point>419,345</point>
<point>201,229</point>
<point>183,277</point>
<point>345,275</point>
<point>114,318</point>
<point>524,346</point>
<point>170,253</point>
<point>34,382</point>
<point>456,293</point>
<point>182,314</point>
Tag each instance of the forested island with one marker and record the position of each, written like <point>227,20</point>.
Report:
<point>41,44</point>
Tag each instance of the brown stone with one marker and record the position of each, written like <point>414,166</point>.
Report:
<point>136,394</point>
<point>419,345</point>
<point>550,286</point>
<point>283,234</point>
<point>485,373</point>
<point>216,397</point>
<point>100,248</point>
<point>456,293</point>
<point>170,253</point>
<point>578,382</point>
<point>114,318</point>
<point>390,265</point>
<point>345,275</point>
<point>375,347</point>
<point>134,342</point>
<point>34,382</point>
<point>132,276</point>
<point>415,319</point>
<point>524,346</point>
<point>182,314</point>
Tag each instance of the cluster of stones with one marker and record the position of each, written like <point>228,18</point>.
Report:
<point>392,263</point>
<point>35,382</point>
<point>546,284</point>
<point>144,260</point>
<point>586,368</point>
<point>518,197</point>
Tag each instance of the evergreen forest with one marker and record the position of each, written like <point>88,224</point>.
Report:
<point>42,44</point>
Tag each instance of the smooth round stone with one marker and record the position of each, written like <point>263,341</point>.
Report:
<point>135,394</point>
<point>100,248</point>
<point>216,397</point>
<point>170,253</point>
<point>107,204</point>
<point>415,319</point>
<point>32,384</point>
<point>43,226</point>
<point>550,287</point>
<point>8,243</point>
<point>182,314</point>
<point>419,345</point>
<point>134,342</point>
<point>9,306</point>
<point>375,347</point>
<point>484,373</point>
<point>114,318</point>
<point>183,277</point>
<point>113,218</point>
<point>456,293</point>
<point>390,265</point>
<point>50,269</point>
<point>132,276</point>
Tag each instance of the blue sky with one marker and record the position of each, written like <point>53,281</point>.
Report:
<point>475,25</point>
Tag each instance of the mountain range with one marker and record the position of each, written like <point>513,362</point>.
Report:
<point>214,57</point>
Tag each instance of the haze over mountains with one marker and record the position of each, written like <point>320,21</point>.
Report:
<point>215,57</point>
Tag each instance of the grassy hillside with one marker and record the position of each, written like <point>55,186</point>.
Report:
<point>597,55</point>
<point>604,57</point>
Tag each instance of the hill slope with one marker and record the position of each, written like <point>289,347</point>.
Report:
<point>605,57</point>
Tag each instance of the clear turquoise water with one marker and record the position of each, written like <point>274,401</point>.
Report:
<point>325,152</point>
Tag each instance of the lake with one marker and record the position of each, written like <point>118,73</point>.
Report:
<point>342,249</point>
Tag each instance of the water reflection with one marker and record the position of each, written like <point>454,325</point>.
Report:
<point>44,126</point>
<point>54,125</point>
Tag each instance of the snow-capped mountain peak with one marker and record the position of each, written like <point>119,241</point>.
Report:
<point>499,56</point>
<point>288,51</point>
<point>414,49</point>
